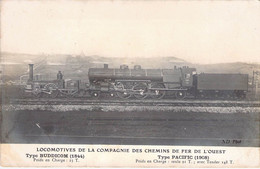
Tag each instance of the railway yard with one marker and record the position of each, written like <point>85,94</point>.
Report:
<point>164,122</point>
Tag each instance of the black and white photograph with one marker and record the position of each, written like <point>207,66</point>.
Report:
<point>148,74</point>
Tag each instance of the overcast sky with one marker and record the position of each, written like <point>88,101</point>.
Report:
<point>199,32</point>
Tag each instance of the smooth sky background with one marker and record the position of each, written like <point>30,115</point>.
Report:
<point>196,31</point>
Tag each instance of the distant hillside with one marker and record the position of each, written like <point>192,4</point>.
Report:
<point>58,59</point>
<point>75,67</point>
<point>237,67</point>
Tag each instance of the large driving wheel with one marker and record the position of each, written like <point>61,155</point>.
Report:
<point>24,94</point>
<point>36,92</point>
<point>180,94</point>
<point>51,90</point>
<point>156,92</point>
<point>123,90</point>
<point>140,90</point>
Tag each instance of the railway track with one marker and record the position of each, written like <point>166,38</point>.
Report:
<point>194,103</point>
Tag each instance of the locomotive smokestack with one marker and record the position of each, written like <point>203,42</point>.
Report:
<point>30,72</point>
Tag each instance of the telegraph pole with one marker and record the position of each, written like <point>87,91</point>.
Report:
<point>255,82</point>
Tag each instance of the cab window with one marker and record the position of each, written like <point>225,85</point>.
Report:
<point>187,76</point>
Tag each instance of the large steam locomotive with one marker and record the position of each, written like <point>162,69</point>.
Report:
<point>125,83</point>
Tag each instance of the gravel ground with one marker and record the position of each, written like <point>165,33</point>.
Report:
<point>130,125</point>
<point>65,108</point>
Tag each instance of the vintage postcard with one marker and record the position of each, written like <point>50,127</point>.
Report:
<point>130,83</point>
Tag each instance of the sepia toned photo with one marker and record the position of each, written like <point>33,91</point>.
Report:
<point>130,83</point>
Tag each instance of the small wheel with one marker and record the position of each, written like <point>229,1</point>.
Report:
<point>228,96</point>
<point>95,94</point>
<point>239,95</point>
<point>71,93</point>
<point>140,91</point>
<point>81,93</point>
<point>112,94</point>
<point>216,96</point>
<point>180,94</point>
<point>201,96</point>
<point>243,96</point>
<point>157,94</point>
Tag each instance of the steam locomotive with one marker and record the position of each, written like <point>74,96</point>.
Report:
<point>182,82</point>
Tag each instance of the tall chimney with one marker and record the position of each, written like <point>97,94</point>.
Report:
<point>30,72</point>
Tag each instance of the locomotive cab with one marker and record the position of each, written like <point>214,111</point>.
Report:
<point>187,76</point>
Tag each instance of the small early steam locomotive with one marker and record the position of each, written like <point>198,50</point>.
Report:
<point>141,83</point>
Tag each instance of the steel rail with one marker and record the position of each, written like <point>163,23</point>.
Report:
<point>184,103</point>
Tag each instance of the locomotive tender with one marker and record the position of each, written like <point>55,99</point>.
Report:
<point>142,83</point>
